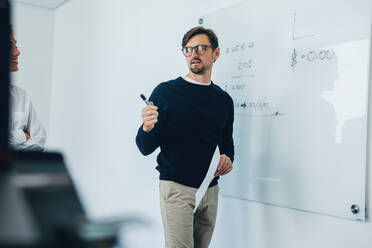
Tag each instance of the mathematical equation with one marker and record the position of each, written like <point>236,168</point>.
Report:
<point>252,106</point>
<point>247,106</point>
<point>243,65</point>
<point>242,69</point>
<point>236,86</point>
<point>311,56</point>
<point>240,47</point>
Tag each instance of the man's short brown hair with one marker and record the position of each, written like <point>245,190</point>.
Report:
<point>200,30</point>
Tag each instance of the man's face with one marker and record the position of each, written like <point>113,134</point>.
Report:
<point>199,64</point>
<point>14,53</point>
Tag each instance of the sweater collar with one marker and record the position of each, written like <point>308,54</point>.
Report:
<point>190,80</point>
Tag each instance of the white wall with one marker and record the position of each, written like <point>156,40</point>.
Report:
<point>34,32</point>
<point>105,54</point>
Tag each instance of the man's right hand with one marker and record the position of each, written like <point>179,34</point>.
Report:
<point>149,117</point>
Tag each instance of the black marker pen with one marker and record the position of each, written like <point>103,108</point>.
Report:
<point>145,100</point>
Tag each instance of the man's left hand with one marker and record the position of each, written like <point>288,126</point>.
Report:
<point>224,166</point>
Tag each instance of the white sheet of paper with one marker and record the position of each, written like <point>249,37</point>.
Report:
<point>208,178</point>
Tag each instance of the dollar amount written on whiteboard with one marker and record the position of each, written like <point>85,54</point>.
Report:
<point>311,56</point>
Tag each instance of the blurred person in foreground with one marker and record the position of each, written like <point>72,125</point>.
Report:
<point>26,133</point>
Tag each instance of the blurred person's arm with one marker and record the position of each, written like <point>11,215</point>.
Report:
<point>27,132</point>
<point>17,137</point>
<point>36,132</point>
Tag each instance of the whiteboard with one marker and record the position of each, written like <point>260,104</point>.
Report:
<point>298,73</point>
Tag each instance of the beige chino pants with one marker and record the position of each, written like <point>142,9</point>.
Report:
<point>183,228</point>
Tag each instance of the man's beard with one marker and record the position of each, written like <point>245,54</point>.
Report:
<point>199,71</point>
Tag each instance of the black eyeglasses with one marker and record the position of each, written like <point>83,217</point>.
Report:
<point>199,49</point>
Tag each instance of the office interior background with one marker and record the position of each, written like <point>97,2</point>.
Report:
<point>85,63</point>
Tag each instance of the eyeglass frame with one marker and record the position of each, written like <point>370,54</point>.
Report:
<point>195,48</point>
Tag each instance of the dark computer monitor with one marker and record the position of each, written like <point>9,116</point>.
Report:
<point>39,206</point>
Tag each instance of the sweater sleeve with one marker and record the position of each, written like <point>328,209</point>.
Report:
<point>227,144</point>
<point>148,142</point>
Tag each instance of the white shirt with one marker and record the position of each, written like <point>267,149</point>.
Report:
<point>190,80</point>
<point>23,119</point>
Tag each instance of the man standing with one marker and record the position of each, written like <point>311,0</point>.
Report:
<point>188,117</point>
